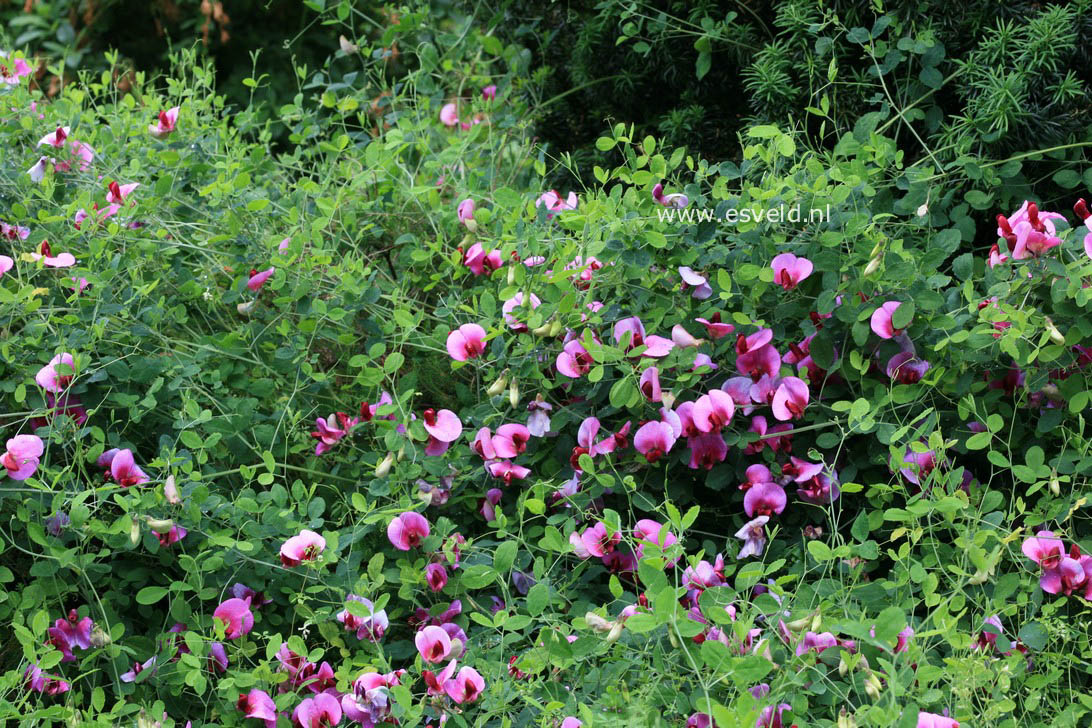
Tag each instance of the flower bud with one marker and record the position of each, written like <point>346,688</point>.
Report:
<point>873,686</point>
<point>1055,335</point>
<point>99,638</point>
<point>872,267</point>
<point>597,623</point>
<point>134,531</point>
<point>799,625</point>
<point>1055,484</point>
<point>876,250</point>
<point>843,667</point>
<point>667,400</point>
<point>170,491</point>
<point>846,720</point>
<point>511,275</point>
<point>384,466</point>
<point>923,210</point>
<point>498,386</point>
<point>816,622</point>
<point>555,328</point>
<point>614,634</point>
<point>347,46</point>
<point>401,454</point>
<point>244,309</point>
<point>513,393</point>
<point>160,525</point>
<point>471,225</point>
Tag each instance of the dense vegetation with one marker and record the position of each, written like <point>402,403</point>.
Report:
<point>324,405</point>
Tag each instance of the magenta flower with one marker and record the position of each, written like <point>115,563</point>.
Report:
<point>489,93</point>
<point>449,114</point>
<point>714,328</point>
<point>790,399</point>
<point>713,411</point>
<point>771,716</point>
<point>480,262</point>
<point>466,342</point>
<point>236,615</point>
<point>369,701</point>
<point>433,644</point>
<point>257,278</point>
<point>699,720</point>
<point>573,722</point>
<point>117,193</point>
<point>465,210</point>
<point>881,320</point>
<point>598,542</point>
<point>817,642</point>
<point>6,264</point>
<point>698,282</point>
<point>650,385</point>
<point>489,503</point>
<point>22,456</point>
<point>932,720</point>
<point>654,440</point>
<point>70,633</point>
<point>304,547</point>
<point>765,499</point>
<point>45,254</point>
<point>371,627</point>
<point>443,428</point>
<point>483,444</point>
<point>321,711</point>
<point>165,123</point>
<point>408,530</point>
<point>757,360</point>
<point>574,361</point>
<point>258,704</point>
<point>655,346</point>
<point>753,535</point>
<point>517,301</point>
<point>790,270</point>
<point>122,467</point>
<point>149,664</point>
<point>706,450</point>
<point>676,199</point>
<point>511,440</point>
<point>650,533</point>
<point>1049,553</point>
<point>507,471</point>
<point>906,368</point>
<point>436,577</point>
<point>553,202</point>
<point>34,679</point>
<point>173,536</point>
<point>465,687</point>
<point>1031,243</point>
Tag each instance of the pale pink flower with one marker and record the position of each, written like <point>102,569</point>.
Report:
<point>304,547</point>
<point>22,456</point>
<point>465,210</point>
<point>433,644</point>
<point>701,288</point>
<point>449,115</point>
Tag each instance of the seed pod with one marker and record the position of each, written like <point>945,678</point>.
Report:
<point>511,275</point>
<point>1055,335</point>
<point>555,328</point>
<point>99,638</point>
<point>1055,484</point>
<point>543,330</point>
<point>614,634</point>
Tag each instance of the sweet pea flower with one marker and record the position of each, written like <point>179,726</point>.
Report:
<point>771,716</point>
<point>489,93</point>
<point>479,262</point>
<point>511,440</point>
<point>6,264</point>
<point>701,287</point>
<point>122,468</point>
<point>257,278</point>
<point>553,202</point>
<point>173,536</point>
<point>55,138</point>
<point>756,357</point>
<point>790,399</point>
<point>906,368</point>
<point>713,411</point>
<point>303,547</point>
<point>676,199</point>
<point>1031,243</point>
<point>165,123</point>
<point>650,385</point>
<point>117,193</point>
<point>538,422</point>
<point>236,615</point>
<point>700,720</point>
<point>790,270</point>
<point>765,499</point>
<point>321,711</point>
<point>572,722</point>
<point>650,533</point>
<point>45,254</point>
<point>466,342</point>
<point>449,115</point>
<point>682,337</point>
<point>131,675</point>
<point>654,440</point>
<point>331,430</point>
<point>258,704</point>
<point>706,450</point>
<point>34,679</point>
<point>996,257</point>
<point>436,577</point>
<point>517,301</point>
<point>574,361</point>
<point>881,320</point>
<point>70,633</point>
<point>38,170</point>
<point>753,535</point>
<point>371,627</point>
<point>507,471</point>
<point>1049,553</point>
<point>369,701</point>
<point>598,542</point>
<point>408,530</point>
<point>466,686</point>
<point>443,428</point>
<point>465,211</point>
<point>433,644</point>
<point>655,346</point>
<point>489,503</point>
<point>11,76</point>
<point>932,720</point>
<point>22,456</point>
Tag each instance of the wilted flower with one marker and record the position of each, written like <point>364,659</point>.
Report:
<point>676,199</point>
<point>753,535</point>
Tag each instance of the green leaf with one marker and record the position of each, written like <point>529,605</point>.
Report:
<point>903,315</point>
<point>505,556</point>
<point>537,599</point>
<point>150,594</point>
<point>888,625</point>
<point>1034,635</point>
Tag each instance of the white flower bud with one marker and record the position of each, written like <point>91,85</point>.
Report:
<point>384,466</point>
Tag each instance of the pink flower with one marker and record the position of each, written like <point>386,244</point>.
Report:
<point>433,644</point>
<point>701,287</point>
<point>510,440</point>
<point>330,431</point>
<point>45,254</point>
<point>650,385</point>
<point>996,257</point>
<point>571,722</point>
<point>765,499</point>
<point>466,686</point>
<point>489,503</point>
<point>371,626</point>
<point>753,535</point>
<point>165,123</point>
<point>12,76</point>
<point>713,411</point>
<point>321,711</point>
<point>654,440</point>
<point>553,202</point>
<point>449,115</point>
<point>676,199</point>
<point>6,264</point>
<point>649,533</point>
<point>706,450</point>
<point>258,704</point>
<point>789,270</point>
<point>597,542</point>
<point>236,615</point>
<point>790,398</point>
<point>507,471</point>
<point>932,720</point>
<point>682,337</point>
<point>443,428</point>
<point>408,530</point>
<point>123,468</point>
<point>131,676</point>
<point>173,536</point>
<point>1031,243</point>
<point>489,93</point>
<point>35,680</point>
<point>480,262</point>
<point>465,211</point>
<point>55,138</point>
<point>69,633</point>
<point>574,361</point>
<point>117,193</point>
<point>517,301</point>
<point>304,547</point>
<point>466,342</point>
<point>22,456</point>
<point>57,375</point>
<point>436,577</point>
<point>257,278</point>
<point>881,320</point>
<point>756,357</point>
<point>771,716</point>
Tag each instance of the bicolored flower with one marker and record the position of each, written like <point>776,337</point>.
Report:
<point>331,430</point>
<point>676,199</point>
<point>372,626</point>
<point>932,720</point>
<point>408,530</point>
<point>574,361</point>
<point>466,686</point>
<point>654,440</point>
<point>306,546</point>
<point>553,202</point>
<point>790,270</point>
<point>480,262</point>
<point>258,278</point>
<point>165,123</point>
<point>507,471</point>
<point>697,282</point>
<point>518,301</point>
<point>117,193</point>
<point>449,115</point>
<point>236,616</point>
<point>433,644</point>
<point>906,368</point>
<point>138,667</point>
<point>443,427</point>
<point>881,320</point>
<point>466,342</point>
<point>753,535</point>
<point>22,456</point>
<point>321,711</point>
<point>790,399</point>
<point>465,211</point>
<point>45,254</point>
<point>122,468</point>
